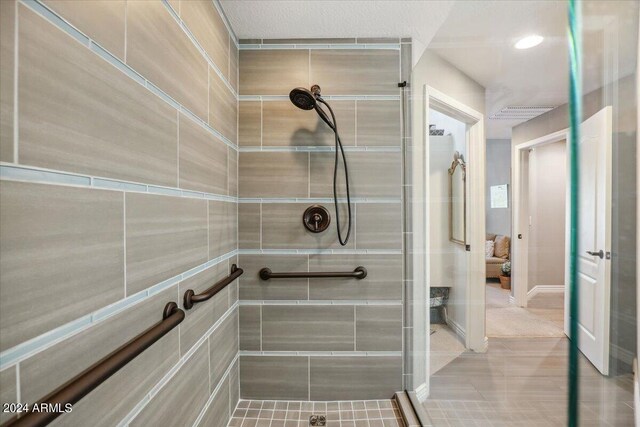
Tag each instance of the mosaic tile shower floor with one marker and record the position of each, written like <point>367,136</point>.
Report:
<point>358,413</point>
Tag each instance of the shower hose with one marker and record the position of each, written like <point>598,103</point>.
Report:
<point>339,150</point>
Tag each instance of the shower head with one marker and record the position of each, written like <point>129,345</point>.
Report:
<point>305,99</point>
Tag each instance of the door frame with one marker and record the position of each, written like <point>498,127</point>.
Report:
<point>475,328</point>
<point>520,221</point>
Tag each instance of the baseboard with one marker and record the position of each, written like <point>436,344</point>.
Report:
<point>542,289</point>
<point>636,390</point>
<point>622,354</point>
<point>422,392</point>
<point>457,328</point>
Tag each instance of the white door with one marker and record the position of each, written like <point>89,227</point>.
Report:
<point>594,259</point>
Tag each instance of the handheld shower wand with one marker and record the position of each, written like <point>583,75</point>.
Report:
<point>306,99</point>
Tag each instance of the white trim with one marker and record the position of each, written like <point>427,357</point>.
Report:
<point>474,330</point>
<point>422,392</point>
<point>544,289</point>
<point>520,215</point>
<point>459,330</point>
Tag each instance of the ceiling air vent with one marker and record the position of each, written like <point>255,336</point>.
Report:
<point>523,113</point>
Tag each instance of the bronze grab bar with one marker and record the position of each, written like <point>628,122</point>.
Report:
<point>82,384</point>
<point>359,273</point>
<point>190,296</point>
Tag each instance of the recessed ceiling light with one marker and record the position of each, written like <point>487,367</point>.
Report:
<point>529,42</point>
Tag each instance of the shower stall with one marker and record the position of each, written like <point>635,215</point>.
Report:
<point>169,253</point>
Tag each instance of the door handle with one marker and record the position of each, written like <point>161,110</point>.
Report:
<point>599,254</point>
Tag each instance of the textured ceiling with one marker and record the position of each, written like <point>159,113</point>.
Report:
<point>274,19</point>
<point>478,38</point>
<point>475,36</point>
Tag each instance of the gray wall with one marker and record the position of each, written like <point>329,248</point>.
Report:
<point>547,205</point>
<point>619,95</point>
<point>137,133</point>
<point>286,166</point>
<point>498,170</point>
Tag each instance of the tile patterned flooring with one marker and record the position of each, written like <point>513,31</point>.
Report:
<point>523,382</point>
<point>269,413</point>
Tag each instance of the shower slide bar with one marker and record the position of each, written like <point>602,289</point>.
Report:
<point>191,298</point>
<point>359,273</point>
<point>60,400</point>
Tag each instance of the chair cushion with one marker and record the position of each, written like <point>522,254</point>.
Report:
<point>491,236</point>
<point>495,260</point>
<point>501,249</point>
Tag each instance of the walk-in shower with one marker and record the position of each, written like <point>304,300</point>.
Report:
<point>306,99</point>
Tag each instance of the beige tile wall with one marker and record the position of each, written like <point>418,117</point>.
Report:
<point>282,172</point>
<point>84,269</point>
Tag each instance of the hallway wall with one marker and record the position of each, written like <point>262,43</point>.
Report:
<point>329,338</point>
<point>623,246</point>
<point>498,171</point>
<point>118,193</point>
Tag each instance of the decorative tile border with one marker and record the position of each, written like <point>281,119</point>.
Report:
<point>198,46</point>
<point>311,46</point>
<point>11,172</point>
<point>320,302</point>
<point>176,368</point>
<point>317,149</point>
<point>35,345</point>
<point>267,98</point>
<point>323,353</point>
<point>320,252</point>
<point>361,200</point>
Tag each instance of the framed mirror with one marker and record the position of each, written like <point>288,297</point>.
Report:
<point>458,200</point>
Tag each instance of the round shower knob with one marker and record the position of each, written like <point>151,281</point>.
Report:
<point>316,218</point>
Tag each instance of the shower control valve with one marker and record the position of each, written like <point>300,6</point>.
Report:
<point>316,218</point>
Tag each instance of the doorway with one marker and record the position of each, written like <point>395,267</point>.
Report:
<point>543,196</point>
